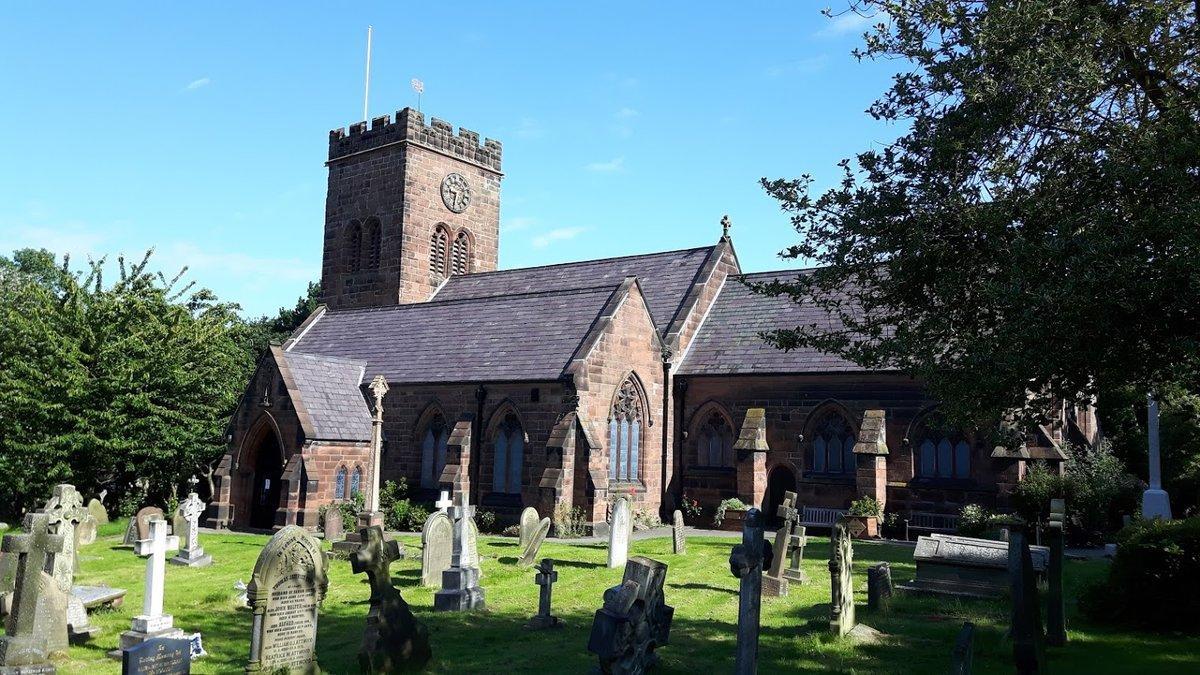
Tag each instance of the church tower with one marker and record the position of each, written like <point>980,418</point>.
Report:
<point>407,205</point>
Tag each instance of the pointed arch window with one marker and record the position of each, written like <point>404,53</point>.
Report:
<point>509,447</point>
<point>433,450</point>
<point>374,243</point>
<point>339,484</point>
<point>625,433</point>
<point>354,241</point>
<point>714,445</point>
<point>833,446</point>
<point>356,482</point>
<point>460,254</point>
<point>942,455</point>
<point>438,244</point>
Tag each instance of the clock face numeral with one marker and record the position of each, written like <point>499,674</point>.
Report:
<point>456,192</point>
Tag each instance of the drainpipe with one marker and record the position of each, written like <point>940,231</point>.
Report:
<point>664,504</point>
<point>477,443</point>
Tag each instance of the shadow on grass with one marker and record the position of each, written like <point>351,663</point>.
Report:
<point>577,563</point>
<point>703,587</point>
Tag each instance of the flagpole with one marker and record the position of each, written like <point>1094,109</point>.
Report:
<point>367,79</point>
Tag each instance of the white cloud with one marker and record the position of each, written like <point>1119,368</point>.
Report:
<point>208,264</point>
<point>196,84</point>
<point>517,223</point>
<point>559,234</point>
<point>626,114</point>
<point>612,165</point>
<point>811,64</point>
<point>849,22</point>
<point>74,239</point>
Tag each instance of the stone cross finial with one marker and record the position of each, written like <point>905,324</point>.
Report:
<point>379,388</point>
<point>444,502</point>
<point>725,224</point>
<point>192,483</point>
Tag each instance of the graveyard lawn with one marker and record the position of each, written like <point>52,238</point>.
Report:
<point>795,636</point>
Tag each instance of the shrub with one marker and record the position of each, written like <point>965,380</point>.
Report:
<point>569,521</point>
<point>866,506</point>
<point>731,503</point>
<point>486,521</point>
<point>405,516</point>
<point>691,508</point>
<point>977,521</point>
<point>1152,583</point>
<point>1095,486</point>
<point>645,519</point>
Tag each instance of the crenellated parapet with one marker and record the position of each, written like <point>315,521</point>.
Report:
<point>409,126</point>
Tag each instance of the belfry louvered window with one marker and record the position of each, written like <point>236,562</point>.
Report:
<point>437,251</point>
<point>460,254</point>
<point>374,243</point>
<point>354,240</point>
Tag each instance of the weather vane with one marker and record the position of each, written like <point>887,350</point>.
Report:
<point>419,87</point>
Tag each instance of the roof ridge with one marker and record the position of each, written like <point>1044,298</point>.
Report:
<point>795,270</point>
<point>582,262</point>
<point>477,298</point>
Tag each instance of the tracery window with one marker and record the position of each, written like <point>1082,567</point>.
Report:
<point>374,243</point>
<point>339,484</point>
<point>437,251</point>
<point>433,450</point>
<point>714,443</point>
<point>509,446</point>
<point>943,455</point>
<point>460,254</point>
<point>625,433</point>
<point>354,242</point>
<point>833,446</point>
<point>356,482</point>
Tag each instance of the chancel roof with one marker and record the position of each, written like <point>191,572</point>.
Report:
<point>326,391</point>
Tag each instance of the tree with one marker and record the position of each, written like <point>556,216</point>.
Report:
<point>1032,234</point>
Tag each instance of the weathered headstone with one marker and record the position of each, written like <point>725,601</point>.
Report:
<point>152,623</point>
<point>534,545</point>
<point>678,537</point>
<point>879,585</point>
<point>775,584</point>
<point>159,656</point>
<point>795,553</point>
<point>1026,633</point>
<point>634,621</point>
<point>67,512</point>
<point>143,518</point>
<point>964,650</point>
<point>437,540</point>
<point>1056,617</point>
<point>746,562</point>
<point>96,508</point>
<point>528,525</point>
<point>25,647</point>
<point>460,583</point>
<point>545,578</point>
<point>333,527</point>
<point>8,577</point>
<point>471,551</point>
<point>841,612</point>
<point>191,553</point>
<point>285,592</point>
<point>965,566</point>
<point>394,639</point>
<point>618,534</point>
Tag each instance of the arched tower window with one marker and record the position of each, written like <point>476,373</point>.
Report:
<point>374,243</point>
<point>356,482</point>
<point>438,244</point>
<point>460,254</point>
<point>625,433</point>
<point>339,484</point>
<point>714,442</point>
<point>433,450</point>
<point>941,454</point>
<point>509,446</point>
<point>833,446</point>
<point>354,241</point>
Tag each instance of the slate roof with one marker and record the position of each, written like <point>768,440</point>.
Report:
<point>521,337</point>
<point>665,279</point>
<point>728,342</point>
<point>328,389</point>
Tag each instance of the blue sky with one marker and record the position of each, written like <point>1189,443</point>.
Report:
<point>201,129</point>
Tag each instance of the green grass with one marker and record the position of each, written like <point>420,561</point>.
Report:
<point>699,586</point>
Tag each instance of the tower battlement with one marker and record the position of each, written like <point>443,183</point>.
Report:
<point>410,126</point>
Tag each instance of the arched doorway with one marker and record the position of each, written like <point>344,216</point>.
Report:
<point>780,480</point>
<point>267,481</point>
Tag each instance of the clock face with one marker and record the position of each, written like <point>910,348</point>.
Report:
<point>456,192</point>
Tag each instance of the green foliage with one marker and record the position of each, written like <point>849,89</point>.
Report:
<point>691,507</point>
<point>866,506</point>
<point>731,503</point>
<point>1153,582</point>
<point>1095,485</point>
<point>975,520</point>
<point>399,512</point>
<point>569,521</point>
<point>646,519</point>
<point>486,521</point>
<point>1031,236</point>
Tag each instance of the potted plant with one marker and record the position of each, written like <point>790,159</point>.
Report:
<point>730,515</point>
<point>864,515</point>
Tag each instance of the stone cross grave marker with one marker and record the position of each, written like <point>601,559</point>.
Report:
<point>528,525</point>
<point>67,514</point>
<point>841,612</point>
<point>159,656</point>
<point>393,639</point>
<point>775,584</point>
<point>286,591</point>
<point>1056,618</point>
<point>191,553</point>
<point>634,621</point>
<point>437,540</point>
<point>35,595</point>
<point>879,585</point>
<point>964,650</point>
<point>678,538</point>
<point>444,502</point>
<point>545,578</point>
<point>618,533</point>
<point>795,552</point>
<point>460,583</point>
<point>1028,641</point>
<point>746,562</point>
<point>534,545</point>
<point>152,623</point>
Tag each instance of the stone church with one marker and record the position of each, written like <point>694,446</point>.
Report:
<point>564,386</point>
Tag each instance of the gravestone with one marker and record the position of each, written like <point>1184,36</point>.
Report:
<point>879,585</point>
<point>746,562</point>
<point>393,640</point>
<point>545,578</point>
<point>286,591</point>
<point>333,527</point>
<point>159,656</point>
<point>471,552</point>
<point>191,553</point>
<point>67,512</point>
<point>143,518</point>
<point>437,540</point>
<point>152,623</point>
<point>634,621</point>
<point>841,611</point>
<point>534,545</point>
<point>1056,618</point>
<point>8,575</point>
<point>964,650</point>
<point>1028,640</point>
<point>618,533</point>
<point>966,566</point>
<point>25,647</point>
<point>444,502</point>
<point>796,543</point>
<point>678,538</point>
<point>528,525</point>
<point>96,508</point>
<point>775,584</point>
<point>460,583</point>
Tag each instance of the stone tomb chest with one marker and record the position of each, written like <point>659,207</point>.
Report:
<point>965,566</point>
